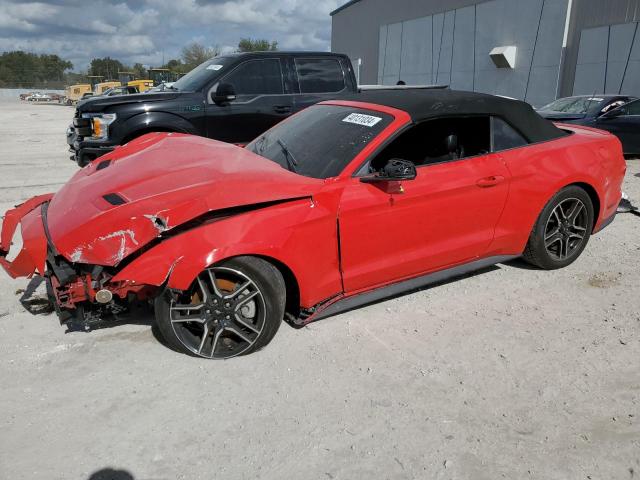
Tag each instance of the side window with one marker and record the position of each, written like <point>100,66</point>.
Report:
<point>438,141</point>
<point>504,136</point>
<point>612,106</point>
<point>319,75</point>
<point>257,77</point>
<point>633,108</point>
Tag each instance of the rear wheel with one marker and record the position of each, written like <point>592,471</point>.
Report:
<point>562,230</point>
<point>233,308</point>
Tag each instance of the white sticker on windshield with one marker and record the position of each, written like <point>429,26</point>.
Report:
<point>214,67</point>
<point>593,99</point>
<point>361,119</point>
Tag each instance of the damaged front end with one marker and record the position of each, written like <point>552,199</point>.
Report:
<point>82,295</point>
<point>92,240</point>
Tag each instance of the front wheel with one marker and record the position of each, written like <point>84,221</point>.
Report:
<point>562,230</point>
<point>232,308</point>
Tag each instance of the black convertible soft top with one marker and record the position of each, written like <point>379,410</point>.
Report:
<point>423,104</point>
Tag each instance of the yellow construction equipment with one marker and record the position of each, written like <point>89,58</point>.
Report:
<point>74,93</point>
<point>142,85</point>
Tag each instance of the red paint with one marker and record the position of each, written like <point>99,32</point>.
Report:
<point>32,256</point>
<point>441,219</point>
<point>451,213</point>
<point>173,177</point>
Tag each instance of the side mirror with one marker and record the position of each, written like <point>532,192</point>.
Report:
<point>225,93</point>
<point>395,170</point>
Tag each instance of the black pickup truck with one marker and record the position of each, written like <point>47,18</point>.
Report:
<point>232,98</point>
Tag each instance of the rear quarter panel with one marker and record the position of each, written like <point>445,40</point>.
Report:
<point>587,156</point>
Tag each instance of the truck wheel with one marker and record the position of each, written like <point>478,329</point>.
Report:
<point>562,230</point>
<point>232,308</point>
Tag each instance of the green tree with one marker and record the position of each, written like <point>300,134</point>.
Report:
<point>23,69</point>
<point>106,67</point>
<point>73,78</point>
<point>53,67</point>
<point>257,45</point>
<point>139,71</point>
<point>195,53</point>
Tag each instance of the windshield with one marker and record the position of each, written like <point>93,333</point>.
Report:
<point>575,105</point>
<point>201,75</point>
<point>320,141</point>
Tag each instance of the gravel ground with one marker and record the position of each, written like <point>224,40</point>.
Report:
<point>510,373</point>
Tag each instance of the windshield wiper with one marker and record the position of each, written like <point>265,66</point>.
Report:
<point>291,161</point>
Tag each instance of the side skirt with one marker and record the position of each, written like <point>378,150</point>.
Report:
<point>343,304</point>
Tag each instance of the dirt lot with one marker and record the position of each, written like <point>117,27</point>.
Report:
<point>510,373</point>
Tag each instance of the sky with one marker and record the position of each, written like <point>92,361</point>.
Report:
<point>147,31</point>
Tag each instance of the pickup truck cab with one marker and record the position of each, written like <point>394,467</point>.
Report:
<point>232,98</point>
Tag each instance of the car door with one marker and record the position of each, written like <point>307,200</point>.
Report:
<point>624,122</point>
<point>262,100</point>
<point>317,79</point>
<point>446,216</point>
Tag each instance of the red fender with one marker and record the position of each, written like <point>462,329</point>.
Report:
<point>283,232</point>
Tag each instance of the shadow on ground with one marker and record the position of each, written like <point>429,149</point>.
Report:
<point>111,474</point>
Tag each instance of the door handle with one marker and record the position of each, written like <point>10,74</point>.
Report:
<point>282,109</point>
<point>491,181</point>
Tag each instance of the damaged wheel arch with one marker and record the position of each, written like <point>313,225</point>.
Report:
<point>177,260</point>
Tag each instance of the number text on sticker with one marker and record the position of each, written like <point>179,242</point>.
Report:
<point>361,119</point>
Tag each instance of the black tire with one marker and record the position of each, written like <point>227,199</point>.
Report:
<point>554,241</point>
<point>232,308</point>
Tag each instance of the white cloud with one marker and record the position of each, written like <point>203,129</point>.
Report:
<point>147,30</point>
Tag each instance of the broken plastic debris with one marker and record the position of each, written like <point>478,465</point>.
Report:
<point>626,206</point>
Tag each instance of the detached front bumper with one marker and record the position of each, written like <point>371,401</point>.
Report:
<point>33,254</point>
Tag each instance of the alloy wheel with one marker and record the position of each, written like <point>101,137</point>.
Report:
<point>221,316</point>
<point>566,229</point>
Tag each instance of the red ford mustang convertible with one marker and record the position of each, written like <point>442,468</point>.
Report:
<point>345,203</point>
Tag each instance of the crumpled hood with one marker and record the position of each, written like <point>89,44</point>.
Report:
<point>127,198</point>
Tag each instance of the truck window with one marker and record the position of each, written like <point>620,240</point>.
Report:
<point>257,77</point>
<point>319,75</point>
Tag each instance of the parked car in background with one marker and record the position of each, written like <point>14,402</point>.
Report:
<point>606,112</point>
<point>623,122</point>
<point>24,96</point>
<point>39,97</point>
<point>100,88</point>
<point>345,203</point>
<point>128,90</point>
<point>233,98</point>
<point>161,88</point>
